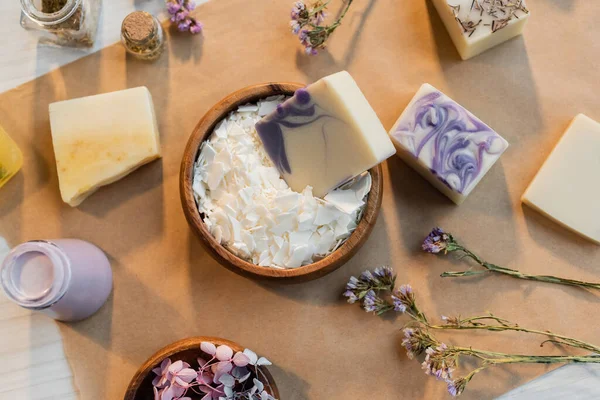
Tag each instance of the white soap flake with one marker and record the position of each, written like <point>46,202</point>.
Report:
<point>215,175</point>
<point>325,215</point>
<point>248,108</point>
<point>267,107</point>
<point>250,209</point>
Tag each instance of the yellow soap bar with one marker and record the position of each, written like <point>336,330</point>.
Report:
<point>99,139</point>
<point>11,159</point>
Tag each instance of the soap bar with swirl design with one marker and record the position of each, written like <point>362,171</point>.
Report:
<point>478,25</point>
<point>445,143</point>
<point>324,135</point>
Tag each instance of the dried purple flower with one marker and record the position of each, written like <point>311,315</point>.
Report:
<point>416,341</point>
<point>163,377</point>
<point>439,362</point>
<point>173,8</point>
<point>404,299</point>
<point>370,301</point>
<point>352,297</point>
<point>399,305</point>
<point>457,386</point>
<point>353,283</point>
<point>438,241</point>
<point>184,25</point>
<point>196,27</point>
<point>180,14</point>
<point>190,5</point>
<point>222,376</point>
<point>306,23</point>
<point>368,277</point>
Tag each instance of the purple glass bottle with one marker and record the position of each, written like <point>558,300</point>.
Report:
<point>66,279</point>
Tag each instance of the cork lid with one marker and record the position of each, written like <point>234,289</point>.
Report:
<point>138,26</point>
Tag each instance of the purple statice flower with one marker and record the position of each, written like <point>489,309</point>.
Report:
<point>407,342</point>
<point>438,241</point>
<point>403,299</point>
<point>196,27</point>
<point>370,302</point>
<point>399,305</point>
<point>295,26</point>
<point>180,14</point>
<point>457,386</point>
<point>318,17</point>
<point>184,25</point>
<point>190,5</point>
<point>406,290</point>
<point>439,362</point>
<point>173,7</point>
<point>384,272</point>
<point>298,9</point>
<point>416,341</point>
<point>368,277</point>
<point>352,297</point>
<point>353,283</point>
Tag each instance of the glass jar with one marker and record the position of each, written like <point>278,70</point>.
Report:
<point>66,279</point>
<point>142,35</point>
<point>11,159</point>
<point>62,22</point>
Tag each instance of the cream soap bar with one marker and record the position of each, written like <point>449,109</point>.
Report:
<point>100,139</point>
<point>324,135</point>
<point>567,188</point>
<point>445,143</point>
<point>478,25</point>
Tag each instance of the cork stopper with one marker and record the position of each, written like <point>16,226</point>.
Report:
<point>138,26</point>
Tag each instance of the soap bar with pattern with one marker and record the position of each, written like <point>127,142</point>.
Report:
<point>478,25</point>
<point>445,143</point>
<point>99,139</point>
<point>324,135</point>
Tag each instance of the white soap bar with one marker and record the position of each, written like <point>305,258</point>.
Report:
<point>445,143</point>
<point>478,25</point>
<point>324,135</point>
<point>567,188</point>
<point>100,139</point>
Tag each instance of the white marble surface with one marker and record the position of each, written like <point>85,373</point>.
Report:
<point>34,366</point>
<point>22,59</point>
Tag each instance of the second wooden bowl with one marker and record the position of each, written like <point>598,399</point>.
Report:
<point>312,271</point>
<point>188,350</point>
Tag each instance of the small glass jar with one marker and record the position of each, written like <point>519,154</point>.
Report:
<point>11,158</point>
<point>66,279</point>
<point>70,23</point>
<point>142,35</point>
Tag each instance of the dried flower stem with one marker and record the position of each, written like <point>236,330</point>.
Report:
<point>375,289</point>
<point>440,241</point>
<point>474,323</point>
<point>306,23</point>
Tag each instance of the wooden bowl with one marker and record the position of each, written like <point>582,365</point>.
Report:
<point>140,387</point>
<point>309,272</point>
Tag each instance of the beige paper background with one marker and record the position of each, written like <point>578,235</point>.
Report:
<point>167,288</point>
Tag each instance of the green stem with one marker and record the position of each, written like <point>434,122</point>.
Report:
<point>319,9</point>
<point>514,273</point>
<point>493,357</point>
<point>504,327</point>
<point>546,359</point>
<point>339,20</point>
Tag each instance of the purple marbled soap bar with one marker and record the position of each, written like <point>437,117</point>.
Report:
<point>324,135</point>
<point>445,143</point>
